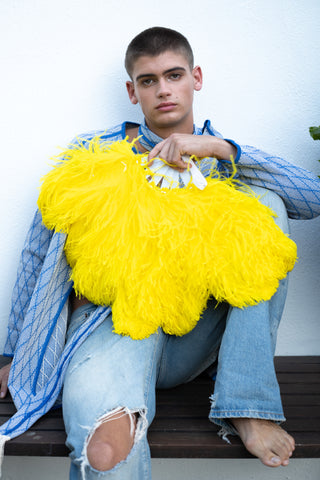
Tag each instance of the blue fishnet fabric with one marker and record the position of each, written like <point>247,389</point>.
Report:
<point>40,358</point>
<point>298,188</point>
<point>43,332</point>
<point>38,318</point>
<point>32,257</point>
<point>37,404</point>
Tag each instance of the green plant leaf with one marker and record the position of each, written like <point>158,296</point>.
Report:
<point>315,132</point>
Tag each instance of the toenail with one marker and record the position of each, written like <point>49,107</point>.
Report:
<point>275,460</point>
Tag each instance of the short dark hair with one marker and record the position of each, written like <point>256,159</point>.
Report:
<point>154,41</point>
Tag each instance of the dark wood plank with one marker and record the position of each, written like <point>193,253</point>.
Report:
<point>38,443</point>
<point>299,377</point>
<point>282,361</point>
<point>190,445</point>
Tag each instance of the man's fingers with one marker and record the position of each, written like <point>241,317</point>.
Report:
<point>171,151</point>
<point>4,376</point>
<point>4,389</point>
<point>177,164</point>
<point>173,159</point>
<point>154,152</point>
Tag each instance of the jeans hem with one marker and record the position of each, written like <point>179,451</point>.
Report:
<point>220,415</point>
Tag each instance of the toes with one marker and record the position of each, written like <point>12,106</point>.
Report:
<point>281,452</point>
<point>272,462</point>
<point>292,443</point>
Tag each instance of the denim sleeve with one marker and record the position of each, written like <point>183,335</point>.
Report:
<point>31,260</point>
<point>298,188</point>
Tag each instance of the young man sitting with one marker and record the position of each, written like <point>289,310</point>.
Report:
<point>110,381</point>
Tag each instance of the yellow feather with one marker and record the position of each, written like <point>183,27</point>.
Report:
<point>156,255</point>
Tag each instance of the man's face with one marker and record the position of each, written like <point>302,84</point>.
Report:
<point>163,86</point>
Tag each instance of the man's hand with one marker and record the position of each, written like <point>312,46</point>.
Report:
<point>4,375</point>
<point>172,148</point>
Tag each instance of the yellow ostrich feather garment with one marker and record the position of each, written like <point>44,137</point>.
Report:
<point>157,254</point>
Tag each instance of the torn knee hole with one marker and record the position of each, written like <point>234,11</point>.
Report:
<point>113,437</point>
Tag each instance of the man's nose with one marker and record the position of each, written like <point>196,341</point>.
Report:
<point>163,88</point>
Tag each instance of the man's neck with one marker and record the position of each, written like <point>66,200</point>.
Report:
<point>148,138</point>
<point>165,132</point>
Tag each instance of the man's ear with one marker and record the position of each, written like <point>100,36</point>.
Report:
<point>197,77</point>
<point>131,92</point>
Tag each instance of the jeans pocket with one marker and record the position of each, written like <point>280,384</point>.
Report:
<point>78,317</point>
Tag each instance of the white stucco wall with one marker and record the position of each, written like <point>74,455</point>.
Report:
<point>62,74</point>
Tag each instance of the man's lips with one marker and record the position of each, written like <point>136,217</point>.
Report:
<point>166,106</point>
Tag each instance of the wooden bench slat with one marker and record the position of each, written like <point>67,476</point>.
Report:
<point>299,361</point>
<point>203,410</point>
<point>201,395</point>
<point>197,424</point>
<point>203,446</point>
<point>294,409</point>
<point>194,445</point>
<point>37,443</point>
<point>181,424</point>
<point>44,424</point>
<point>294,388</point>
<point>305,400</point>
<point>299,377</point>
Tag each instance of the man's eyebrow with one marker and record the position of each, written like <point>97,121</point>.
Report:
<point>148,75</point>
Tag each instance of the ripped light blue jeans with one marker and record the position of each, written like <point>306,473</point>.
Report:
<point>109,372</point>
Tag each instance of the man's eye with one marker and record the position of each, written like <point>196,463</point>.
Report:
<point>147,82</point>
<point>175,76</point>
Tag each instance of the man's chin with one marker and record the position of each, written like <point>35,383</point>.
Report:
<point>166,120</point>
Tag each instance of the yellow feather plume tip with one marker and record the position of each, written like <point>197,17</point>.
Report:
<point>157,254</point>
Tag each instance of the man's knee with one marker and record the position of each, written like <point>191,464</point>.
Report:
<point>112,440</point>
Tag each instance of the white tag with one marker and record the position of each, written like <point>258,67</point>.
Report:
<point>197,177</point>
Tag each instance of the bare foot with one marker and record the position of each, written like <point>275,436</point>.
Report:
<point>265,440</point>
